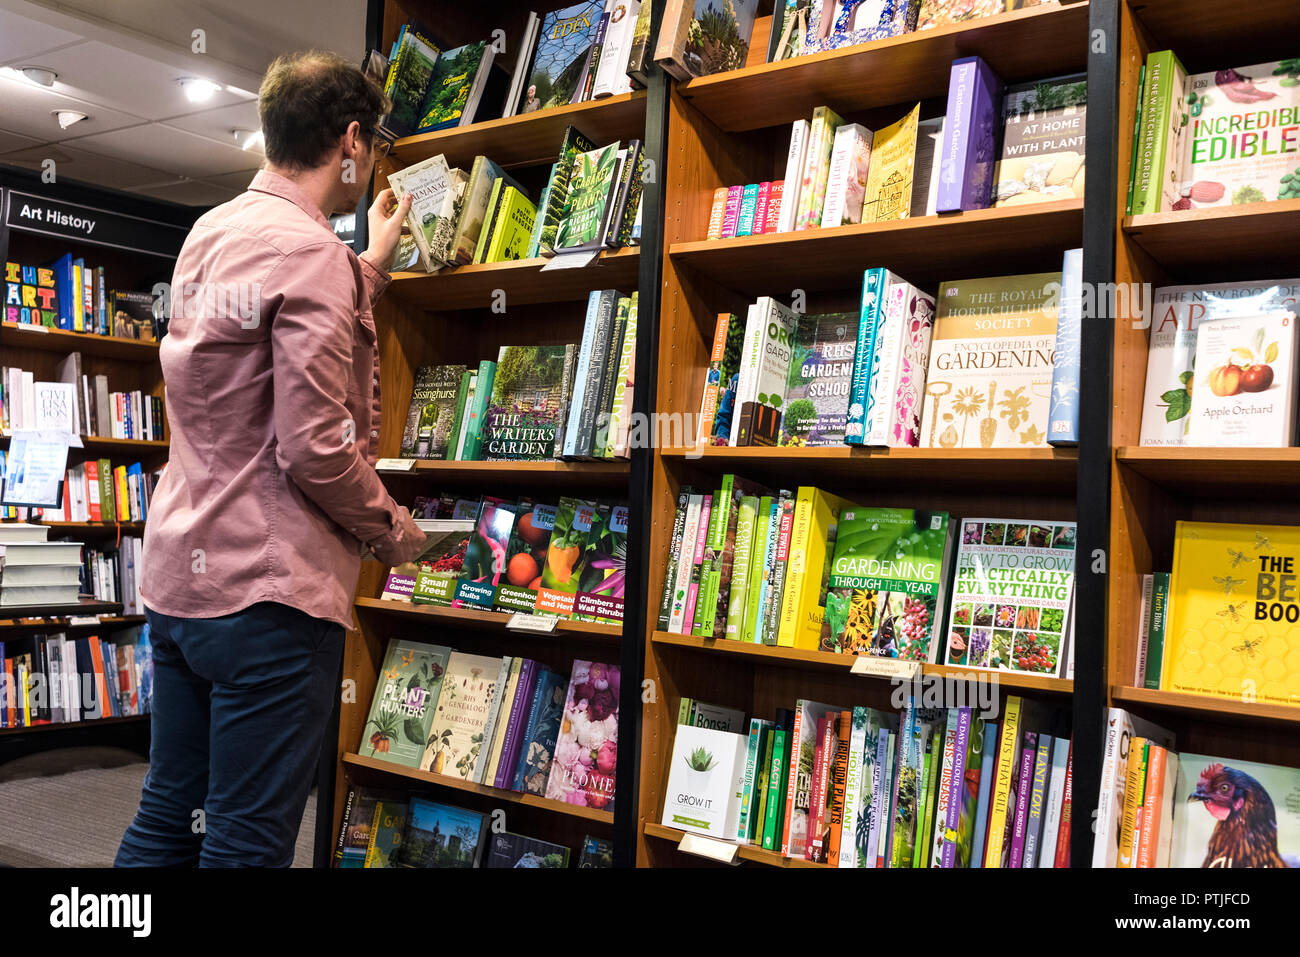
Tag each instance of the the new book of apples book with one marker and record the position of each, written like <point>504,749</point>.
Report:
<point>586,751</point>
<point>405,695</point>
<point>526,404</point>
<point>1231,813</point>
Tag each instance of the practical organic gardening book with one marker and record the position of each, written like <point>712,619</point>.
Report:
<point>1012,596</point>
<point>405,695</point>
<point>887,583</point>
<point>817,387</point>
<point>526,404</point>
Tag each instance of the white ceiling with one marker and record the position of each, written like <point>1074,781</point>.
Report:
<point>118,62</point>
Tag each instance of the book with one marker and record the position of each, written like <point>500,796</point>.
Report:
<point>1232,612</point>
<point>586,206</point>
<point>1043,142</point>
<point>705,781</point>
<point>799,778</point>
<point>31,295</point>
<point>1164,135</point>
<point>512,229</point>
<point>795,158</point>
<point>835,25</point>
<point>596,851</point>
<point>1244,382</point>
<point>639,55</point>
<point>815,406</point>
<point>901,355</point>
<point>1012,596</point>
<point>888,192</point>
<point>717,399</point>
<point>431,416</point>
<point>748,207</point>
<point>1121,730</point>
<point>1003,327</point>
<point>482,570</point>
<point>435,192</point>
<point>406,692</point>
<point>1063,412</point>
<point>556,76</point>
<point>455,86</point>
<point>1177,312</point>
<point>937,13</point>
<point>1233,813</point>
<point>537,746</point>
<point>586,751</point>
<point>875,284</point>
<point>813,534</point>
<point>1241,139</point>
<point>816,168</point>
<point>775,203</point>
<point>764,368</point>
<point>716,212</point>
<point>566,557</point>
<point>456,733</point>
<point>887,584</point>
<point>525,49</point>
<point>600,594</point>
<point>1157,626</point>
<point>410,69</point>
<point>476,403</point>
<point>927,166</point>
<point>386,829</point>
<point>438,835</point>
<point>523,413</point>
<point>611,73</point>
<point>702,37</point>
<point>731,211</point>
<point>970,133</point>
<point>761,207</point>
<point>515,850</point>
<point>848,176</point>
<point>433,579</point>
<point>557,188</point>
<point>524,557</point>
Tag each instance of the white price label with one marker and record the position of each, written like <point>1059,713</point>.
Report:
<point>520,621</point>
<point>86,619</point>
<point>886,667</point>
<point>714,850</point>
<point>395,465</point>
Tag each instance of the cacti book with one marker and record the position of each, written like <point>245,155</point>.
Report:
<point>817,387</point>
<point>586,751</point>
<point>526,404</point>
<point>406,692</point>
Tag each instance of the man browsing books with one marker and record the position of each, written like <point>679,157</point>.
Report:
<point>270,497</point>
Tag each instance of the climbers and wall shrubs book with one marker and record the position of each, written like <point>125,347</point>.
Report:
<point>409,681</point>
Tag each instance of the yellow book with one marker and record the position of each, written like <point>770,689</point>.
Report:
<point>1234,604</point>
<point>123,494</point>
<point>893,162</point>
<point>1134,792</point>
<point>812,539</point>
<point>491,755</point>
<point>1008,758</point>
<point>513,230</point>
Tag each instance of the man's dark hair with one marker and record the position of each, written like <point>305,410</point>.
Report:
<point>306,103</point>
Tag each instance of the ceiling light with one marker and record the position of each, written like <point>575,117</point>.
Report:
<point>248,139</point>
<point>67,118</point>
<point>38,75</point>
<point>198,90</point>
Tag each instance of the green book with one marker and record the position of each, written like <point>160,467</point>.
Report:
<point>758,820</point>
<point>620,400</point>
<point>1137,138</point>
<point>741,560</point>
<point>404,701</point>
<point>757,567</point>
<point>513,227</point>
<point>534,241</point>
<point>558,187</point>
<point>776,778</point>
<point>591,187</point>
<point>450,84</point>
<point>453,441</point>
<point>409,74</point>
<point>386,829</point>
<point>926,811</point>
<point>1157,617</point>
<point>711,571</point>
<point>489,219</point>
<point>1164,131</point>
<point>487,370</point>
<point>684,709</point>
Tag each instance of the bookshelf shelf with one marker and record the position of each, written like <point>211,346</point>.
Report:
<point>1242,240</point>
<point>19,336</point>
<point>746,852</point>
<point>1224,709</point>
<point>489,621</point>
<point>92,528</point>
<point>1021,45</point>
<point>525,282</point>
<point>1208,33</point>
<point>1215,471</point>
<point>812,660</point>
<point>550,474</point>
<point>96,446</point>
<point>528,139</point>
<point>496,794</point>
<point>68,725</point>
<point>86,606</point>
<point>923,249</point>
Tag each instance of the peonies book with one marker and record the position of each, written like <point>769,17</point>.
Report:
<point>406,693</point>
<point>586,751</point>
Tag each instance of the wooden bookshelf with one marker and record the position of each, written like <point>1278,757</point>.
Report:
<point>744,852</point>
<point>1151,489</point>
<point>87,529</point>
<point>548,475</point>
<point>13,335</point>
<point>84,606</point>
<point>489,621</point>
<point>88,725</point>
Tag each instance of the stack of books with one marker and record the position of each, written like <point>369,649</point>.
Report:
<point>34,571</point>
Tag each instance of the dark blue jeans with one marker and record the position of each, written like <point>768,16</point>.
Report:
<point>240,704</point>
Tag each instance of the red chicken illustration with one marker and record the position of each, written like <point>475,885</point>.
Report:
<point>1246,832</point>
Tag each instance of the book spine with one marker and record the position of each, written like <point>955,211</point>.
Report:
<point>799,132</point>
<point>853,784</point>
<point>713,384</point>
<point>776,780</point>
<point>706,567</point>
<point>1137,138</point>
<point>763,573</point>
<point>674,553</point>
<point>515,725</point>
<point>1063,835</point>
<point>874,287</point>
<point>1135,775</point>
<point>751,775</point>
<point>1144,630</point>
<point>1008,756</point>
<point>886,353</point>
<point>605,402</point>
<point>751,358</point>
<point>837,176</point>
<point>775,207</point>
<point>814,848</point>
<point>638,58</point>
<point>970,131</point>
<point>1152,801</point>
<point>582,373</point>
<point>1024,785</point>
<point>792,775</point>
<point>942,790</point>
<point>693,587</point>
<point>760,208</point>
<point>601,345</point>
<point>1037,800</point>
<point>758,817</point>
<point>880,809</point>
<point>839,810</point>
<point>620,419</point>
<point>685,553</point>
<point>1156,629</point>
<point>482,401</point>
<point>742,560</point>
<point>1063,413</point>
<point>731,212</point>
<point>956,790</point>
<point>772,611</point>
<point>801,523</point>
<point>748,208</point>
<point>1157,102</point>
<point>717,212</point>
<point>757,568</point>
<point>724,521</point>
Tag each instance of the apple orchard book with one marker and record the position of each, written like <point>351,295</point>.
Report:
<point>1244,387</point>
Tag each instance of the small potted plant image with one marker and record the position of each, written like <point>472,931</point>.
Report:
<point>699,764</point>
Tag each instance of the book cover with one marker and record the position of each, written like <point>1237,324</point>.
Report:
<point>524,558</point>
<point>718,399</point>
<point>524,410</point>
<point>835,25</point>
<point>765,366</point>
<point>561,60</point>
<point>817,388</point>
<point>454,74</point>
<point>813,534</point>
<point>386,830</point>
<point>970,135</point>
<point>1232,813</point>
<point>887,585</point>
<point>516,850</point>
<point>438,835</point>
<point>557,188</point>
<point>816,168</point>
<point>904,326</point>
<point>31,295</point>
<point>431,416</point>
<point>409,72</point>
<point>748,207</point>
<point>799,779</point>
<point>483,564</point>
<point>406,693</point>
<point>435,193</point>
<point>937,13</point>
<point>1164,135</point>
<point>1233,610</point>
<point>513,229</point>
<point>705,781</point>
<point>586,751</point>
<point>1012,594</point>
<point>1242,145</point>
<point>702,37</point>
<point>432,578</point>
<point>597,851</point>
<point>566,558</point>
<point>1244,382</point>
<point>538,746</point>
<point>991,360</point>
<point>789,204</point>
<point>1043,142</point>
<point>456,734</point>
<point>600,595</point>
<point>849,175</point>
<point>590,188</point>
<point>888,192</point>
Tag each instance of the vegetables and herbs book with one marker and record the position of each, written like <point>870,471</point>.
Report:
<point>432,414</point>
<point>586,752</point>
<point>566,557</point>
<point>1233,609</point>
<point>705,781</point>
<point>1244,385</point>
<point>1176,314</point>
<point>456,735</point>
<point>527,402</point>
<point>1043,142</point>
<point>438,835</point>
<point>991,357</point>
<point>405,696</point>
<point>887,583</point>
<point>1232,813</point>
<point>817,388</point>
<point>1012,596</point>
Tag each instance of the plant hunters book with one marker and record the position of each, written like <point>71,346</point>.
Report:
<point>405,695</point>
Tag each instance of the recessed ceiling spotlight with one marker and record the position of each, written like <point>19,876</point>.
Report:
<point>248,139</point>
<point>67,118</point>
<point>39,75</point>
<point>198,90</point>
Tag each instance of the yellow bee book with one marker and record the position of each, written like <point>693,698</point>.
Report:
<point>812,540</point>
<point>1234,604</point>
<point>514,228</point>
<point>893,163</point>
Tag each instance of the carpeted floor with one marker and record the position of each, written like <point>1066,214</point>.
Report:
<point>71,811</point>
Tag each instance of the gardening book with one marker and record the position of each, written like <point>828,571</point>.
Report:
<point>1063,413</point>
<point>1176,314</point>
<point>816,168</point>
<point>557,188</point>
<point>1244,384</point>
<point>590,190</point>
<point>526,404</point>
<point>718,398</point>
<point>1012,596</point>
<point>1232,813</point>
<point>1233,609</point>
<point>817,387</point>
<point>540,733</point>
<point>701,37</point>
<point>524,558</point>
<point>888,193</point>
<point>438,835</point>
<point>409,71</point>
<point>455,86</point>
<point>991,356</point>
<point>1242,145</point>
<point>432,414</point>
<point>705,781</point>
<point>560,63</point>
<point>513,228</point>
<point>765,366</point>
<point>1043,142</point>
<point>516,850</point>
<point>887,587</point>
<point>431,577</point>
<point>1163,136</point>
<point>970,136</point>
<point>904,326</point>
<point>848,176</point>
<point>586,752</point>
<point>799,781</point>
<point>937,13</point>
<point>406,693</point>
<point>456,734</point>
<point>1122,732</point>
<point>813,534</point>
<point>601,599</point>
<point>386,829</point>
<point>566,558</point>
<point>483,557</point>
<point>835,25</point>
<point>436,193</point>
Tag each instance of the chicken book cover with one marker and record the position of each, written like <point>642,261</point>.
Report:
<point>586,751</point>
<point>405,696</point>
<point>1233,609</point>
<point>526,404</point>
<point>1230,813</point>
